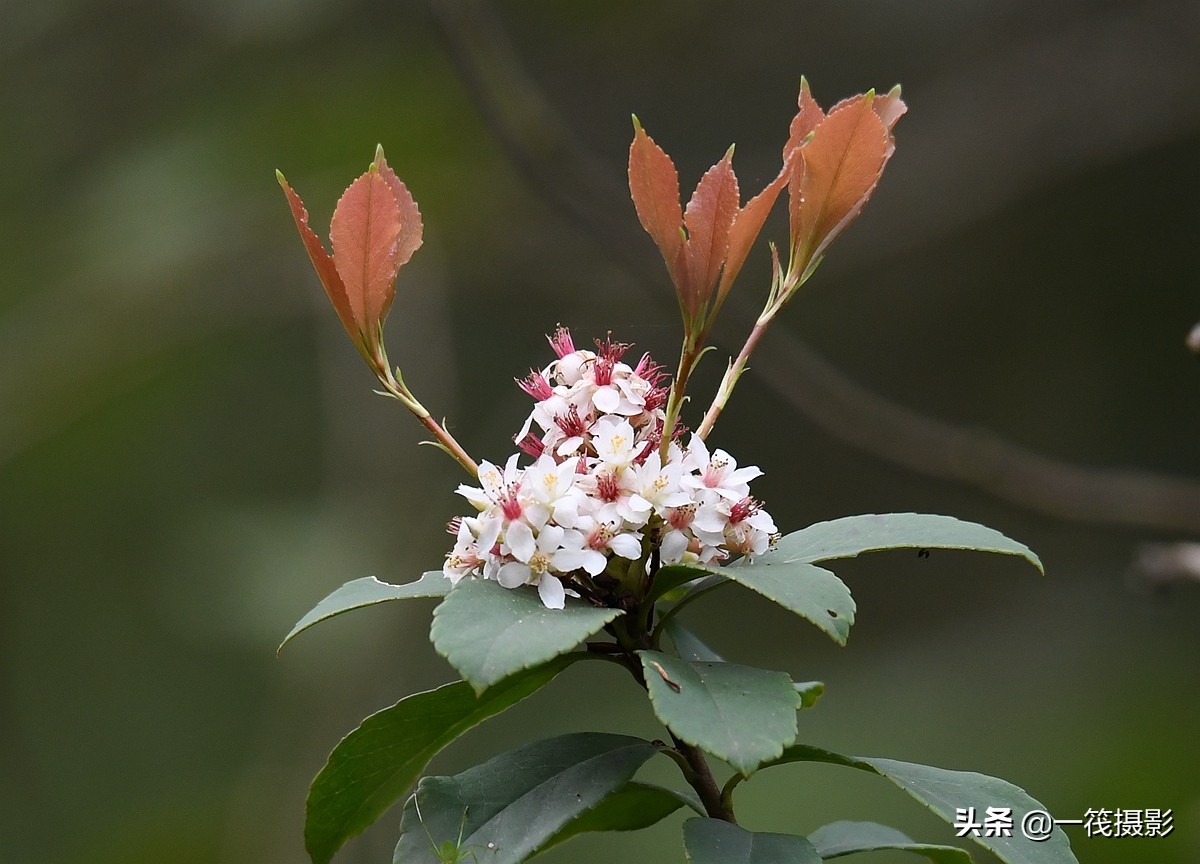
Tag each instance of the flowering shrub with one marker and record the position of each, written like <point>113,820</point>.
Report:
<point>617,522</point>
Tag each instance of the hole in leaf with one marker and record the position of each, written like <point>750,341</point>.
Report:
<point>831,613</point>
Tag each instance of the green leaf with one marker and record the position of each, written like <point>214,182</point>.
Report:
<point>853,535</point>
<point>379,761</point>
<point>740,714</point>
<point>845,838</point>
<point>488,632</point>
<point>516,802</point>
<point>367,592</point>
<point>944,792</point>
<point>809,591</point>
<point>689,646</point>
<point>810,692</point>
<point>631,808</point>
<point>714,841</point>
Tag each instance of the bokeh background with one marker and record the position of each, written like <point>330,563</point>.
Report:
<point>191,455</point>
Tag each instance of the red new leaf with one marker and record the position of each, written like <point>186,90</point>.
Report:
<point>805,121</point>
<point>411,228</point>
<point>365,231</point>
<point>322,262</point>
<point>710,214</point>
<point>842,163</point>
<point>890,108</point>
<point>654,185</point>
<point>747,226</point>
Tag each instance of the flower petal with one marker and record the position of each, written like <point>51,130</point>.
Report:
<point>551,590</point>
<point>550,538</point>
<point>606,399</point>
<point>514,574</point>
<point>673,546</point>
<point>519,538</point>
<point>627,546</point>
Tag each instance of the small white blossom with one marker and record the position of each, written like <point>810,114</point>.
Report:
<point>615,441</point>
<point>718,474</point>
<point>535,558</point>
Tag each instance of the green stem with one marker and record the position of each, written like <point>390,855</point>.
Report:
<point>727,790</point>
<point>393,385</point>
<point>656,636</point>
<point>783,287</point>
<point>688,355</point>
<point>734,372</point>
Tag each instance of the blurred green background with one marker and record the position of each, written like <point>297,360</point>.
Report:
<point>191,455</point>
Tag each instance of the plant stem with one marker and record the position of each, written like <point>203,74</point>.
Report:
<point>734,372</point>
<point>695,767</point>
<point>688,355</point>
<point>394,386</point>
<point>704,783</point>
<point>691,596</point>
<point>449,444</point>
<point>727,791</point>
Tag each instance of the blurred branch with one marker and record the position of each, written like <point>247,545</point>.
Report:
<point>1158,566</point>
<point>543,149</point>
<point>567,175</point>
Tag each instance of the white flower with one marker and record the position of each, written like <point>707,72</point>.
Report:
<point>718,474</point>
<point>658,484</point>
<point>673,547</point>
<point>614,440</point>
<point>742,527</point>
<point>549,491</point>
<point>612,497</point>
<point>570,368</point>
<point>472,549</point>
<point>535,559</point>
<point>619,393</point>
<point>494,483</point>
<point>592,538</point>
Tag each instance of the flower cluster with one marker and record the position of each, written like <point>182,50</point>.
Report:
<point>599,509</point>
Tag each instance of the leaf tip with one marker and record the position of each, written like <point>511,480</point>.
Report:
<point>280,179</point>
<point>637,124</point>
<point>379,153</point>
